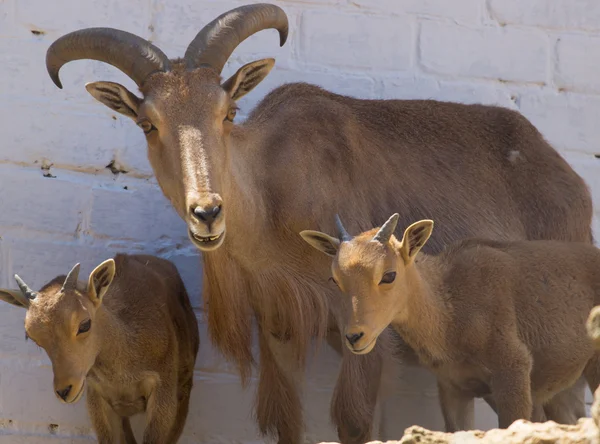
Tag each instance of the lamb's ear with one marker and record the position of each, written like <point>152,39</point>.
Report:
<point>247,77</point>
<point>414,238</point>
<point>100,280</point>
<point>116,97</point>
<point>14,297</point>
<point>321,241</point>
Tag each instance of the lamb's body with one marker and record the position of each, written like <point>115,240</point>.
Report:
<point>506,308</point>
<point>130,335</point>
<point>152,342</point>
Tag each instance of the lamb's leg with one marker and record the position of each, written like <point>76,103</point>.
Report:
<point>105,422</point>
<point>511,384</point>
<point>568,406</point>
<point>161,411</point>
<point>279,409</point>
<point>592,372</point>
<point>182,410</point>
<point>129,436</point>
<point>458,408</point>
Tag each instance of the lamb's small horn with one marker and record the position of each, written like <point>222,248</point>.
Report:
<point>71,280</point>
<point>344,235</point>
<point>28,292</point>
<point>387,229</point>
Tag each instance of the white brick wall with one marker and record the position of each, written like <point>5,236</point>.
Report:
<point>541,57</point>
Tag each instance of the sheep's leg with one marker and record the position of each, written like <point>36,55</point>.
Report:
<point>355,394</point>
<point>279,409</point>
<point>511,385</point>
<point>161,411</point>
<point>182,410</point>
<point>105,422</point>
<point>458,408</point>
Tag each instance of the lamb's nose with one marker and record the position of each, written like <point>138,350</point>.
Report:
<point>354,337</point>
<point>64,392</point>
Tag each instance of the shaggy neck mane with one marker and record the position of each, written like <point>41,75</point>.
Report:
<point>243,286</point>
<point>423,319</point>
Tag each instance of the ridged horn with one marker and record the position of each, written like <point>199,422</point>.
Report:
<point>71,280</point>
<point>215,43</point>
<point>135,56</point>
<point>342,233</point>
<point>28,292</point>
<point>387,229</point>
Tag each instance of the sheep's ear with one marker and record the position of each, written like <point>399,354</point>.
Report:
<point>100,280</point>
<point>116,97</point>
<point>321,241</point>
<point>14,297</point>
<point>414,238</point>
<point>247,77</point>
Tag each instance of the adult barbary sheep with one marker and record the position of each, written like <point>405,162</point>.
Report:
<point>246,191</point>
<point>130,335</point>
<point>505,320</point>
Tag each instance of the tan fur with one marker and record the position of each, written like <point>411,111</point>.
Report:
<point>139,353</point>
<point>497,319</point>
<point>305,153</point>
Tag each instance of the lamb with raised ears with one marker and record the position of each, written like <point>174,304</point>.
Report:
<point>501,320</point>
<point>130,335</point>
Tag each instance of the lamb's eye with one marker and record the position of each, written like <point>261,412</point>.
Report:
<point>231,114</point>
<point>84,326</point>
<point>388,278</point>
<point>146,126</point>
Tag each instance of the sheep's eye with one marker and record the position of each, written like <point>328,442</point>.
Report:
<point>84,326</point>
<point>333,280</point>
<point>146,126</point>
<point>231,114</point>
<point>388,278</point>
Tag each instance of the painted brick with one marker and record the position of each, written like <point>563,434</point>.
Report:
<point>463,11</point>
<point>577,61</point>
<point>511,54</point>
<point>80,136</point>
<point>356,40</point>
<point>69,15</point>
<point>143,214</point>
<point>566,14</point>
<point>42,203</point>
<point>567,120</point>
<point>30,59</point>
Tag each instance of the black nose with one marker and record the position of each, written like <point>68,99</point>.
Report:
<point>207,215</point>
<point>64,392</point>
<point>353,338</point>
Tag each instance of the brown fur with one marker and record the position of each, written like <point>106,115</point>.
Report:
<point>139,353</point>
<point>497,319</point>
<point>305,153</point>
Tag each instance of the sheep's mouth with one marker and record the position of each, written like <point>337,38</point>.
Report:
<point>206,243</point>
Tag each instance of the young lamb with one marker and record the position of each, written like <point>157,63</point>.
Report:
<point>130,335</point>
<point>501,320</point>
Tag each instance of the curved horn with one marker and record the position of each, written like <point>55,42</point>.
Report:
<point>71,280</point>
<point>387,229</point>
<point>133,55</point>
<point>344,235</point>
<point>214,44</point>
<point>28,292</point>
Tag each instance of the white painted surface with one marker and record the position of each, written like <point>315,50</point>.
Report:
<point>541,57</point>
